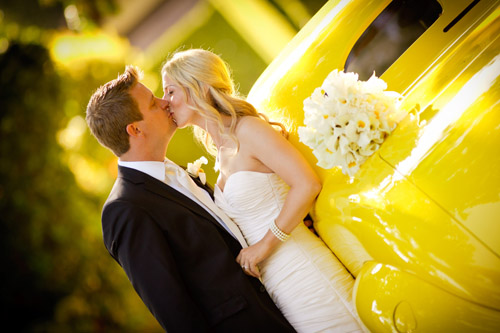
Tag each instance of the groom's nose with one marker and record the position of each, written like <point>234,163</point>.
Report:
<point>163,103</point>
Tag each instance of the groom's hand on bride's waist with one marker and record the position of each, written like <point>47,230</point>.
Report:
<point>309,224</point>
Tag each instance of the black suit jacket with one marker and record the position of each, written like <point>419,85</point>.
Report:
<point>181,261</point>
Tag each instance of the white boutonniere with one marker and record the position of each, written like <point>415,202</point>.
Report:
<point>195,170</point>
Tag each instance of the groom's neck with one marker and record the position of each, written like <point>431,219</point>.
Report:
<point>144,154</point>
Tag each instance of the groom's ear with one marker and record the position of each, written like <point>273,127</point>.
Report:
<point>133,129</point>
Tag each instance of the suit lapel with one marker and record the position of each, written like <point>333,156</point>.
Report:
<point>159,188</point>
<point>205,186</point>
<point>198,182</point>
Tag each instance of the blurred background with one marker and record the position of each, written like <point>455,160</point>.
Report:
<point>54,176</point>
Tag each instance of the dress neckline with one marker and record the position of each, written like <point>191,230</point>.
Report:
<point>241,172</point>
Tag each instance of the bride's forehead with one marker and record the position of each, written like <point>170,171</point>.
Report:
<point>167,82</point>
<point>166,79</point>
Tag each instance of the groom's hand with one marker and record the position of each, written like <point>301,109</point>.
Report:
<point>251,256</point>
<point>309,224</point>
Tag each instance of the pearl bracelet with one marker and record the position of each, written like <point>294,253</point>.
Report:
<point>278,232</point>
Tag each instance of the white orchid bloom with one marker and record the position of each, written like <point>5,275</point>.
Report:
<point>351,131</point>
<point>352,165</point>
<point>369,149</point>
<point>195,170</point>
<point>364,139</point>
<point>344,144</point>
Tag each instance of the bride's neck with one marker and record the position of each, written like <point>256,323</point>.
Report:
<point>212,128</point>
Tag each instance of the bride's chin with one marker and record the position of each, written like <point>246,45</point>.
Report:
<point>184,124</point>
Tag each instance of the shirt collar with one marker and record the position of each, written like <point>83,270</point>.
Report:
<point>154,169</point>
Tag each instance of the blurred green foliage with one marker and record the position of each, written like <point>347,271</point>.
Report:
<point>49,14</point>
<point>59,276</point>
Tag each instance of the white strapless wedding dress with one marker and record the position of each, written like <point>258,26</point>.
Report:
<point>305,280</point>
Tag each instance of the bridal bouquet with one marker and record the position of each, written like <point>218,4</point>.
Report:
<point>347,120</point>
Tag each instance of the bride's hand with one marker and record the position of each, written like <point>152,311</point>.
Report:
<point>250,257</point>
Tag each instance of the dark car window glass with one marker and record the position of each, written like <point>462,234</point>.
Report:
<point>392,32</point>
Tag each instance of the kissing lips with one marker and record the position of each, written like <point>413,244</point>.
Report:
<point>171,115</point>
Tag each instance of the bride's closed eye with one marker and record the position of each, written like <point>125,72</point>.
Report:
<point>169,92</point>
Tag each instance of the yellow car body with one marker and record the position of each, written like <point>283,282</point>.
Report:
<point>418,226</point>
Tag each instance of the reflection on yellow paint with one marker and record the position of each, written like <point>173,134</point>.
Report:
<point>479,84</point>
<point>71,49</point>
<point>304,43</point>
<point>375,197</point>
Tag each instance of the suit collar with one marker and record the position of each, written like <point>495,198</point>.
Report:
<point>160,188</point>
<point>153,168</point>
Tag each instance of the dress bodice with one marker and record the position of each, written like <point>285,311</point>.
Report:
<point>252,199</point>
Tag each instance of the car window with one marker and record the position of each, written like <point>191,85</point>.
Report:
<point>390,34</point>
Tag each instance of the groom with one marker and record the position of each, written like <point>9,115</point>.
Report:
<point>179,256</point>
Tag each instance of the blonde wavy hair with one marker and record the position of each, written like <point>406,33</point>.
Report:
<point>206,80</point>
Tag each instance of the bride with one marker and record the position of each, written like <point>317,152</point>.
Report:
<point>267,188</point>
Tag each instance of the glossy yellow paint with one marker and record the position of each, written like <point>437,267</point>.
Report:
<point>425,307</point>
<point>458,127</point>
<point>419,224</point>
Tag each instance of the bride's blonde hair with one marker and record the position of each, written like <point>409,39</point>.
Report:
<point>206,80</point>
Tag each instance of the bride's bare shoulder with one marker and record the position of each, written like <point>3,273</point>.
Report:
<point>255,134</point>
<point>249,124</point>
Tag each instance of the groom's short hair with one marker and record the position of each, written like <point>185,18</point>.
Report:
<point>111,108</point>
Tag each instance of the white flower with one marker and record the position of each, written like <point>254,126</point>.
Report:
<point>195,170</point>
<point>346,120</point>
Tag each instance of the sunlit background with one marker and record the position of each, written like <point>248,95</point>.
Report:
<point>57,275</point>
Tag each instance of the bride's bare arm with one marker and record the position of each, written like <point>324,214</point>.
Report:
<point>267,146</point>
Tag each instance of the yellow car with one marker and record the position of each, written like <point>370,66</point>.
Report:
<point>418,226</point>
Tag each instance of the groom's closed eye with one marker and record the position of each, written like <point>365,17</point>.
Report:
<point>153,101</point>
